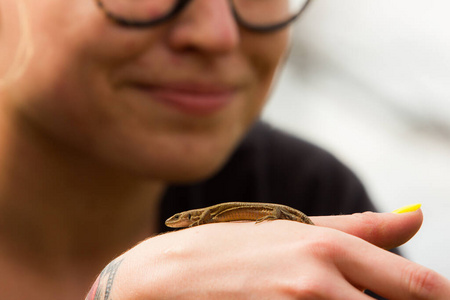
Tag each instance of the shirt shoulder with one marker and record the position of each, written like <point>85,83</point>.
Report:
<point>301,172</point>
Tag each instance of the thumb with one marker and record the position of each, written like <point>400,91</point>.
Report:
<point>385,230</point>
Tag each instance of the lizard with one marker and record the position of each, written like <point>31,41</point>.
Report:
<point>236,211</point>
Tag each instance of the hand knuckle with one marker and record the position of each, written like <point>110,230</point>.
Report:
<point>305,288</point>
<point>368,218</point>
<point>325,247</point>
<point>421,282</point>
<point>369,224</point>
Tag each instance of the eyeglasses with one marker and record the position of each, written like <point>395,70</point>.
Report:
<point>256,15</point>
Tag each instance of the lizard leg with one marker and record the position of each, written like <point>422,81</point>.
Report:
<point>204,218</point>
<point>278,213</point>
<point>275,215</point>
<point>299,218</point>
<point>285,214</point>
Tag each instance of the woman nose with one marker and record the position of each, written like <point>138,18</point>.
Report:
<point>205,25</point>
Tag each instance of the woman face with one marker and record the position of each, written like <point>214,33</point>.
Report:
<point>170,101</point>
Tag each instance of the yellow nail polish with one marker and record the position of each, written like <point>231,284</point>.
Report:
<point>408,208</point>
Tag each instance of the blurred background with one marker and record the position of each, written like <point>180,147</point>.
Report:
<point>370,82</point>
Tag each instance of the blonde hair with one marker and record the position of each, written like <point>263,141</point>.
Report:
<point>24,50</point>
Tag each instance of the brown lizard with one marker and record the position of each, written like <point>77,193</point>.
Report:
<point>236,211</point>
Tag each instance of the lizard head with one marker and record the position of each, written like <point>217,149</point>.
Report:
<point>179,220</point>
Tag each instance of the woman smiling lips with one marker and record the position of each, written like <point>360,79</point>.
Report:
<point>191,97</point>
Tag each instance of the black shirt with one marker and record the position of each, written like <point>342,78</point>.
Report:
<point>272,166</point>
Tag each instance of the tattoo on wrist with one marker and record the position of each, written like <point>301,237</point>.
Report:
<point>101,290</point>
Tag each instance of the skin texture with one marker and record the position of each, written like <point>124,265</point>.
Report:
<point>299,261</point>
<point>86,153</point>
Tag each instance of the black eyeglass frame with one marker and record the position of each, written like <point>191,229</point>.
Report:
<point>181,4</point>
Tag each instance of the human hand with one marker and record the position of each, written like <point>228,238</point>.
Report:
<point>276,260</point>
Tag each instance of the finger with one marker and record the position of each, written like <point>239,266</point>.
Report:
<point>392,276</point>
<point>311,285</point>
<point>351,293</point>
<point>344,291</point>
<point>386,230</point>
<point>321,281</point>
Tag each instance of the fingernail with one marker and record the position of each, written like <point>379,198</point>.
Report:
<point>407,209</point>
